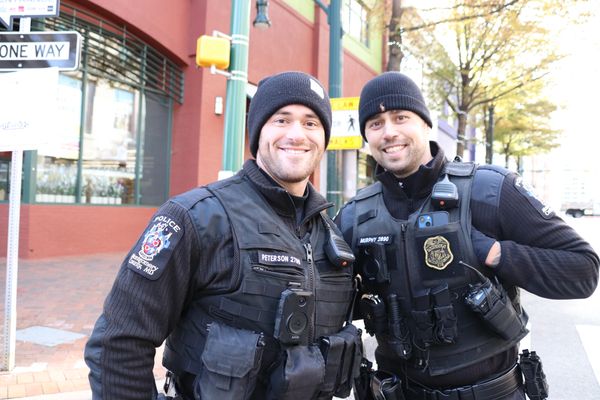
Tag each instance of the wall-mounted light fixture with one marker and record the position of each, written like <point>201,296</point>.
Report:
<point>262,20</point>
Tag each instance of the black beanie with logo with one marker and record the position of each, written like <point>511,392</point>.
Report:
<point>390,91</point>
<point>283,89</point>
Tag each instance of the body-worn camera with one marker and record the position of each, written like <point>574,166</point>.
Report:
<point>374,264</point>
<point>296,308</point>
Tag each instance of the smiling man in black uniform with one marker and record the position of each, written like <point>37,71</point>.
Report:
<point>247,278</point>
<point>442,248</point>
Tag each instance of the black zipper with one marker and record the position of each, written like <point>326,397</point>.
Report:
<point>311,287</point>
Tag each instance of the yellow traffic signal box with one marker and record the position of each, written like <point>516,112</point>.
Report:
<point>212,50</point>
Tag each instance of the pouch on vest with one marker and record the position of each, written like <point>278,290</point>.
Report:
<point>423,317</point>
<point>231,360</point>
<point>446,330</point>
<point>492,304</point>
<point>299,375</point>
<point>398,340</point>
<point>342,353</point>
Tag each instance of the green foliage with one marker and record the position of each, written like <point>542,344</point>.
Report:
<point>491,48</point>
<point>522,124</point>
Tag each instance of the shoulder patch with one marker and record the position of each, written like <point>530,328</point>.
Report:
<point>527,190</point>
<point>153,250</point>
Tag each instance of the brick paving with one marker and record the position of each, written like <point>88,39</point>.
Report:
<point>62,293</point>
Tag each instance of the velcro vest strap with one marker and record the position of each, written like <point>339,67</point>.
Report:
<point>189,199</point>
<point>327,320</point>
<point>248,312</point>
<point>338,296</point>
<point>260,288</point>
<point>369,191</point>
<point>460,168</point>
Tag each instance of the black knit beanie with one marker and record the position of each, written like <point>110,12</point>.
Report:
<point>280,90</point>
<point>390,91</point>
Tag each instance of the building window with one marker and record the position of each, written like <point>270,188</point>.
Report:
<point>4,175</point>
<point>355,20</point>
<point>113,144</point>
<point>366,170</point>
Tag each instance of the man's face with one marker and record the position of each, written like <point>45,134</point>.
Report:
<point>398,141</point>
<point>291,145</point>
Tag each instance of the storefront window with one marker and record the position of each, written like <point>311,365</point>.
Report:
<point>4,175</point>
<point>114,115</point>
<point>109,146</point>
<point>57,160</point>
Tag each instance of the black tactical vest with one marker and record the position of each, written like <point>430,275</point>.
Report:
<point>269,258</point>
<point>417,260</point>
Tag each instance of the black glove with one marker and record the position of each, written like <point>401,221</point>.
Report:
<point>481,245</point>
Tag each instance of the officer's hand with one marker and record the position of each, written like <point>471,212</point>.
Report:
<point>486,248</point>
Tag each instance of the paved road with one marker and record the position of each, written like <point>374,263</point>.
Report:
<point>566,333</point>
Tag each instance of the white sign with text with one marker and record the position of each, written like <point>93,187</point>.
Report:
<point>26,8</point>
<point>28,108</point>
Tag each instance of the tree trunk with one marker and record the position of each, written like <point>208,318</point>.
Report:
<point>489,137</point>
<point>460,133</point>
<point>395,54</point>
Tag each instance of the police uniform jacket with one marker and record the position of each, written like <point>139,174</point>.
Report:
<point>540,253</point>
<point>211,266</point>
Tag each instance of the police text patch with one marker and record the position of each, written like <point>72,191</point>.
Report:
<point>526,190</point>
<point>154,249</point>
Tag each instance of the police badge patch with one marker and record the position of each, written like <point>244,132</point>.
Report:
<point>154,248</point>
<point>438,254</point>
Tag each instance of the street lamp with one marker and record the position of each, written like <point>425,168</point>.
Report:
<point>262,20</point>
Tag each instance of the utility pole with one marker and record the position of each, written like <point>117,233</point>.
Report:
<point>235,101</point>
<point>334,157</point>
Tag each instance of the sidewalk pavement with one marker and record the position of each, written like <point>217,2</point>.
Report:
<point>58,302</point>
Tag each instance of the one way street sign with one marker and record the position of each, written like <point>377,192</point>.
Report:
<point>39,50</point>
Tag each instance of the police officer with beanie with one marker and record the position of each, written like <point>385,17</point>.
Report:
<point>442,248</point>
<point>240,276</point>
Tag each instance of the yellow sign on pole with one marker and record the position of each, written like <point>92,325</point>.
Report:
<point>345,130</point>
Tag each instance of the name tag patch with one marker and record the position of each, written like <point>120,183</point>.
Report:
<point>278,259</point>
<point>384,239</point>
<point>154,249</point>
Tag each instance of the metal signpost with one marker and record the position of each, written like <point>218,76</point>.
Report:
<point>18,51</point>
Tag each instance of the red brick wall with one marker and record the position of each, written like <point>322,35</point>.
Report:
<point>59,230</point>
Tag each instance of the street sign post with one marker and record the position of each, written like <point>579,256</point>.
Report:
<point>18,51</point>
<point>39,50</point>
<point>26,8</point>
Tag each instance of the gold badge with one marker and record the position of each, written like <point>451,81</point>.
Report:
<point>437,252</point>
